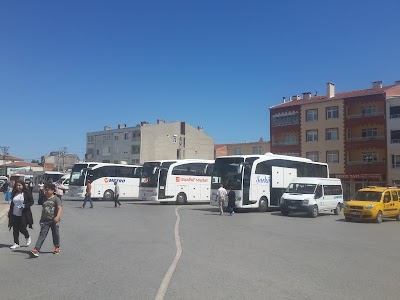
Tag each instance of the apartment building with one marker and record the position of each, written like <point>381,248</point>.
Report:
<point>357,133</point>
<point>246,148</point>
<point>145,142</point>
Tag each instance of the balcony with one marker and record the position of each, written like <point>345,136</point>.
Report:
<point>358,116</point>
<point>366,138</point>
<point>284,143</point>
<point>363,162</point>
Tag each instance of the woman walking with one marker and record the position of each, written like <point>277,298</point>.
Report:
<point>20,214</point>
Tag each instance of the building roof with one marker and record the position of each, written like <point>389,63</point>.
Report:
<point>351,94</point>
<point>18,164</point>
<point>11,158</point>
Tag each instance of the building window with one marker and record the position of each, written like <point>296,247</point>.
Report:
<point>369,157</point>
<point>286,118</point>
<point>174,139</point>
<point>238,151</point>
<point>369,132</point>
<point>126,136</point>
<point>106,138</point>
<point>257,150</point>
<point>135,149</point>
<point>332,134</point>
<point>312,155</point>
<point>311,115</point>
<point>106,150</point>
<point>312,135</point>
<point>368,111</point>
<point>332,157</point>
<point>115,137</point>
<point>394,112</point>
<point>289,140</point>
<point>395,136</point>
<point>332,112</point>
<point>97,152</point>
<point>395,161</point>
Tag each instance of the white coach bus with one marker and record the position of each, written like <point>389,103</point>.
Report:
<point>260,180</point>
<point>102,177</point>
<point>179,181</point>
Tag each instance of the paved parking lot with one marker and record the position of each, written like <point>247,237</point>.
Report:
<point>125,253</point>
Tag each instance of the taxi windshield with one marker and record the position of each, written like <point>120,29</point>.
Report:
<point>368,196</point>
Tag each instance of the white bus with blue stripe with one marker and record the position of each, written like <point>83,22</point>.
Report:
<point>260,180</point>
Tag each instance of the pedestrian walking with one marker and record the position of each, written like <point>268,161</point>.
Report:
<point>221,195</point>
<point>116,194</point>
<point>88,194</point>
<point>30,186</point>
<point>20,214</point>
<point>51,213</point>
<point>231,202</point>
<point>41,192</point>
<point>60,188</point>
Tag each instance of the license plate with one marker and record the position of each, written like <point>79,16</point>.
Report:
<point>292,207</point>
<point>355,213</point>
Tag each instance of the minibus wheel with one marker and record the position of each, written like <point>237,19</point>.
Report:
<point>181,199</point>
<point>263,205</point>
<point>284,212</point>
<point>314,211</point>
<point>378,218</point>
<point>108,195</point>
<point>337,210</point>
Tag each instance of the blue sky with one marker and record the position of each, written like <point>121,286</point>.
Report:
<point>72,67</point>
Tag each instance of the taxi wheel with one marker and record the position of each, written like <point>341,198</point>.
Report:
<point>378,218</point>
<point>337,210</point>
<point>398,216</point>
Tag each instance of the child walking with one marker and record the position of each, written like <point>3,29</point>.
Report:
<point>50,218</point>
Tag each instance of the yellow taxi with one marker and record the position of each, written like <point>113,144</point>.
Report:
<point>373,203</point>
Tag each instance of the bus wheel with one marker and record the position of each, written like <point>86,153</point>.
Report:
<point>337,210</point>
<point>314,212</point>
<point>181,199</point>
<point>108,195</point>
<point>263,205</point>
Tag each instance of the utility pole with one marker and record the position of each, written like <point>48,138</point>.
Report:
<point>4,150</point>
<point>63,161</point>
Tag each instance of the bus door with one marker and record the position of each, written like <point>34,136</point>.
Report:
<point>162,181</point>
<point>246,185</point>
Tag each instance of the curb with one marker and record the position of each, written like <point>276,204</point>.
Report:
<point>4,207</point>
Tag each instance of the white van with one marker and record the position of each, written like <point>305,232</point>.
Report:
<point>313,195</point>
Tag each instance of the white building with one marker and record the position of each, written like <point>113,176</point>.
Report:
<point>145,142</point>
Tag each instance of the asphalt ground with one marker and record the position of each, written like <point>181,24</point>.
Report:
<point>126,252</point>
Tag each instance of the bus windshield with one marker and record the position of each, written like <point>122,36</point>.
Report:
<point>150,170</point>
<point>227,171</point>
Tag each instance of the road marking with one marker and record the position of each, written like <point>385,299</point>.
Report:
<point>167,277</point>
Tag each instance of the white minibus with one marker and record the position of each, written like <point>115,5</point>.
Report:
<point>313,195</point>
